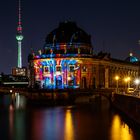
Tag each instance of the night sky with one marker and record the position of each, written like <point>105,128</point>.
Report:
<point>114,26</point>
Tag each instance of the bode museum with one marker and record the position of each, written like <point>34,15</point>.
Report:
<point>67,60</point>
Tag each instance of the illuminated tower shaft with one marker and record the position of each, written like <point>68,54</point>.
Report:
<point>19,55</point>
<point>19,37</point>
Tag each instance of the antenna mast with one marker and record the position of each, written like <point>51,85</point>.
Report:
<point>19,36</point>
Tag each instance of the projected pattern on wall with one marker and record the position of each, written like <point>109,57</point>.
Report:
<point>57,73</point>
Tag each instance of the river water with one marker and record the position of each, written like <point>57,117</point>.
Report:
<point>95,121</point>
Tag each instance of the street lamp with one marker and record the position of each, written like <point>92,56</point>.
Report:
<point>137,82</point>
<point>116,78</point>
<point>127,80</point>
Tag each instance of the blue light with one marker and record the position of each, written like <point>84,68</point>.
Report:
<point>44,63</point>
<point>133,59</point>
<point>47,82</point>
<point>44,55</point>
<point>72,62</point>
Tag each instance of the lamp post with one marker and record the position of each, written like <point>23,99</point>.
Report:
<point>137,82</point>
<point>127,81</point>
<point>125,88</point>
<point>116,78</point>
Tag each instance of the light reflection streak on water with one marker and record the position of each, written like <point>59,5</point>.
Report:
<point>47,124</point>
<point>16,123</point>
<point>20,102</point>
<point>37,125</point>
<point>119,130</point>
<point>17,100</point>
<point>69,129</point>
<point>19,124</point>
<point>11,120</point>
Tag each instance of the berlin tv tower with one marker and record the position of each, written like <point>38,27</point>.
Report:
<point>19,36</point>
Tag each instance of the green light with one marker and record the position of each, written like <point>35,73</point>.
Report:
<point>19,37</point>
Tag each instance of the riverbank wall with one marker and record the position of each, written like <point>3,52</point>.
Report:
<point>129,106</point>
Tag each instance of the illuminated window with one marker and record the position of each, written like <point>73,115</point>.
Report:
<point>37,69</point>
<point>71,68</point>
<point>84,69</point>
<point>46,69</point>
<point>58,68</point>
<point>71,82</point>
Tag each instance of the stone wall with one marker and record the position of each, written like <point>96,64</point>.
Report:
<point>130,105</point>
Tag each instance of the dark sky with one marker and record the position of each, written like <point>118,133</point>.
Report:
<point>114,26</point>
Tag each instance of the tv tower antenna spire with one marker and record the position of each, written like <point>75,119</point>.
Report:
<point>19,36</point>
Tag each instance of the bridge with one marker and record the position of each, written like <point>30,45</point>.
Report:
<point>41,95</point>
<point>103,92</point>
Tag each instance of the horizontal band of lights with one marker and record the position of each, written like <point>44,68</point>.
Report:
<point>15,83</point>
<point>57,73</point>
<point>64,50</point>
<point>61,55</point>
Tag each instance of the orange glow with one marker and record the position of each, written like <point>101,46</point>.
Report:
<point>11,120</point>
<point>117,77</point>
<point>69,78</point>
<point>120,131</point>
<point>127,79</point>
<point>69,132</point>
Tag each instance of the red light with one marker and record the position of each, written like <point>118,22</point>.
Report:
<point>51,51</point>
<point>19,28</point>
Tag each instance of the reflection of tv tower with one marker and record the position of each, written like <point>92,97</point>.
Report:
<point>19,36</point>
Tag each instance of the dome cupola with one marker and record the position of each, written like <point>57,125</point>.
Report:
<point>68,32</point>
<point>131,58</point>
<point>68,40</point>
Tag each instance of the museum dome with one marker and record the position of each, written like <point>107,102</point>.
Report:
<point>131,58</point>
<point>68,32</point>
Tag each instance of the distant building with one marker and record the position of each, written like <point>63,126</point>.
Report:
<point>131,58</point>
<point>9,80</point>
<point>67,60</point>
<point>19,71</point>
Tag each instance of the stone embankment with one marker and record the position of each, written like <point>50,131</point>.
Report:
<point>129,105</point>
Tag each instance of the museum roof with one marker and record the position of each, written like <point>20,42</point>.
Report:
<point>68,32</point>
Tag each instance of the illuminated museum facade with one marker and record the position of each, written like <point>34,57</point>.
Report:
<point>67,61</point>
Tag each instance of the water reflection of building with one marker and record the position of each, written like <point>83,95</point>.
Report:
<point>67,61</point>
<point>69,128</point>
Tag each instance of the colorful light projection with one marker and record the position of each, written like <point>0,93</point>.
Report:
<point>57,73</point>
<point>65,50</point>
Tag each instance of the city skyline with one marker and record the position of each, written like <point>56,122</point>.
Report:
<point>114,27</point>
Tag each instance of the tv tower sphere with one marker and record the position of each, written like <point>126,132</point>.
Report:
<point>19,37</point>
